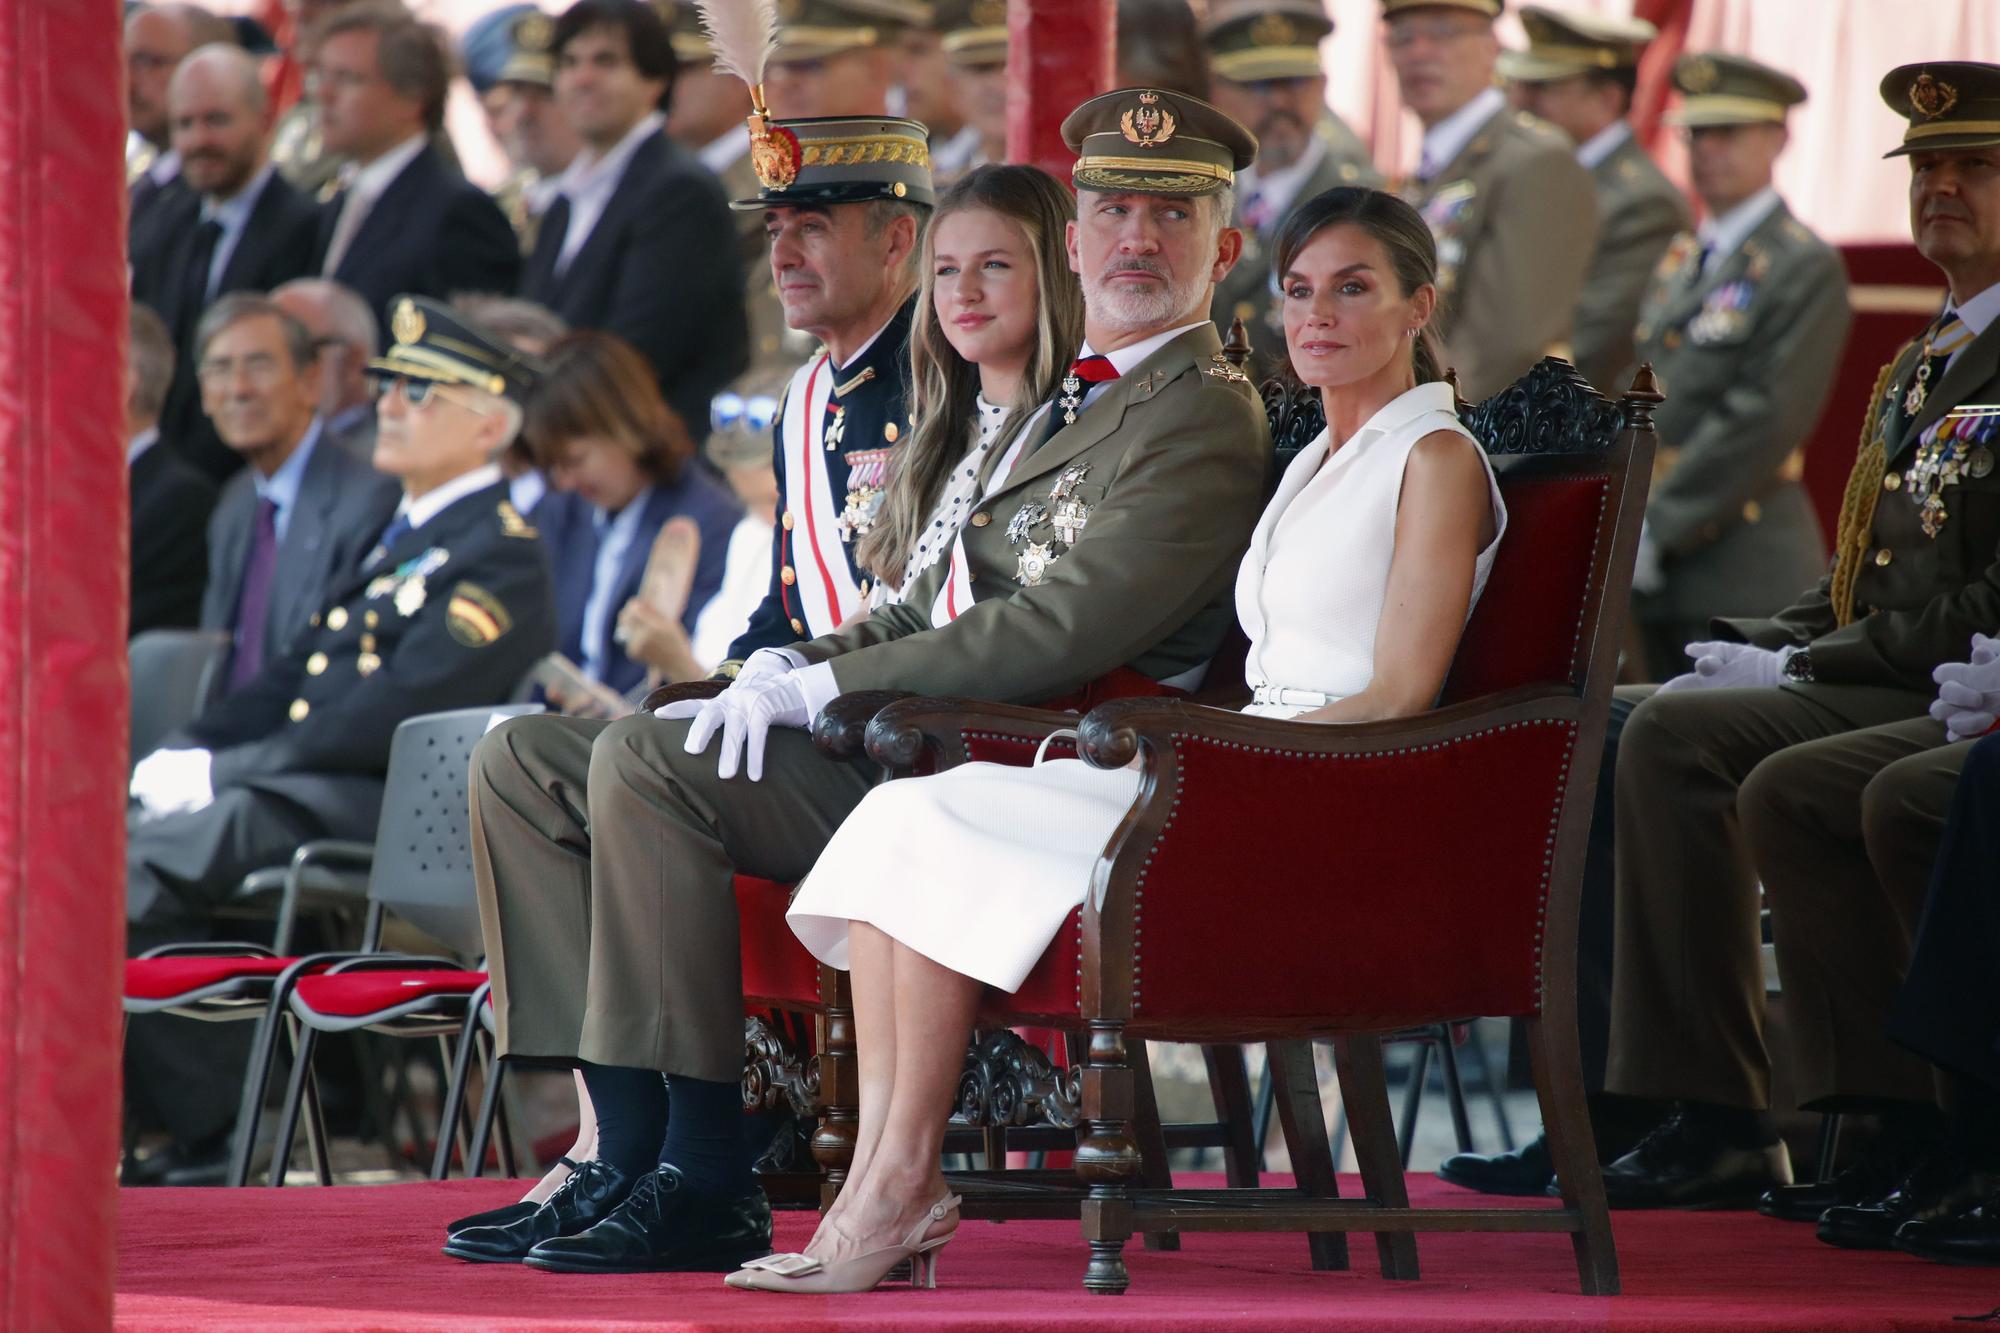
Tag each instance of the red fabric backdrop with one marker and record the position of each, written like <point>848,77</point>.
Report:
<point>63,592</point>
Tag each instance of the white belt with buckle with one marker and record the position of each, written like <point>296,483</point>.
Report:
<point>1286,697</point>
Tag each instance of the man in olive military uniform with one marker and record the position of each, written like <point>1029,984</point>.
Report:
<point>1578,74</point>
<point>450,610</point>
<point>1515,217</point>
<point>974,44</point>
<point>1106,533</point>
<point>1743,322</point>
<point>519,101</point>
<point>1264,56</point>
<point>1798,737</point>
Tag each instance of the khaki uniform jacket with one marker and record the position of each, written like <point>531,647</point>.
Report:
<point>1639,212</point>
<point>1249,291</point>
<point>1515,219</point>
<point>1177,456</point>
<point>1919,599</point>
<point>1746,356</point>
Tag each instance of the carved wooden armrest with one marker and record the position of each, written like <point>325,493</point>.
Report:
<point>905,731</point>
<point>687,689</point>
<point>841,729</point>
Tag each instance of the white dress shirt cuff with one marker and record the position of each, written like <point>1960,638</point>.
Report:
<point>816,682</point>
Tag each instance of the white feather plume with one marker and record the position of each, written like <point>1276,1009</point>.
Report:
<point>742,34</point>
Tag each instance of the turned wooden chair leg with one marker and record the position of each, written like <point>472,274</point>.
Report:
<point>839,1088</point>
<point>1295,1086</point>
<point>1151,1136</point>
<point>1107,1157</point>
<point>1558,1067</point>
<point>1229,1085</point>
<point>1364,1091</point>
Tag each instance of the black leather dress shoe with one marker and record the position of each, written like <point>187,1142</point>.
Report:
<point>506,1215</point>
<point>1529,1170</point>
<point>1942,1185</point>
<point>592,1193</point>
<point>1682,1165</point>
<point>1969,1238</point>
<point>666,1225</point>
<point>1864,1180</point>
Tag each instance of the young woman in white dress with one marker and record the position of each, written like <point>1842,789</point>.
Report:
<point>1354,592</point>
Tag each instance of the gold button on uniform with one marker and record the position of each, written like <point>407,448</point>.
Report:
<point>798,626</point>
<point>315,620</point>
<point>1752,511</point>
<point>787,577</point>
<point>299,710</point>
<point>316,664</point>
<point>371,620</point>
<point>368,643</point>
<point>864,587</point>
<point>889,431</point>
<point>367,664</point>
<point>981,519</point>
<point>787,520</point>
<point>1884,556</point>
<point>1892,481</point>
<point>336,619</point>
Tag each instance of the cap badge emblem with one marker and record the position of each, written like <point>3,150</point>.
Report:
<point>1148,124</point>
<point>1932,98</point>
<point>989,13</point>
<point>533,32</point>
<point>1273,30</point>
<point>1699,75</point>
<point>407,324</point>
<point>775,157</point>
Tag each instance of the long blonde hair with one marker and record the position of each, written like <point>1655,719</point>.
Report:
<point>944,386</point>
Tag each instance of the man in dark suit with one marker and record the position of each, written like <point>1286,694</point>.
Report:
<point>343,329</point>
<point>300,516</point>
<point>170,500</point>
<point>449,610</point>
<point>249,232</point>
<point>404,219</point>
<point>617,249</point>
<point>157,39</point>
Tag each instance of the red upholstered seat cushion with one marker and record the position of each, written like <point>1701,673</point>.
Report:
<point>359,994</point>
<point>777,969</point>
<point>1528,625</point>
<point>164,978</point>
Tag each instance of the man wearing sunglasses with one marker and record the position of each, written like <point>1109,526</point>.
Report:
<point>448,608</point>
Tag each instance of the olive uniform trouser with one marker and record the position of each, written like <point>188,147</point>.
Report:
<point>605,856</point>
<point>1844,833</point>
<point>1687,1014</point>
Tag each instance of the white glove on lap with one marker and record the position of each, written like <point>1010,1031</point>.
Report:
<point>1968,700</point>
<point>765,662</point>
<point>172,782</point>
<point>744,714</point>
<point>1731,666</point>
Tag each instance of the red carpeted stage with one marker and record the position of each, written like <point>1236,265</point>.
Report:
<point>366,1257</point>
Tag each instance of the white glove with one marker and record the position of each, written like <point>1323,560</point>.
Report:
<point>766,662</point>
<point>1968,700</point>
<point>744,714</point>
<point>171,782</point>
<point>1647,574</point>
<point>1730,665</point>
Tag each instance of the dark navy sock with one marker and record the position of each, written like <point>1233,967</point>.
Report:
<point>705,1135</point>
<point>631,1107</point>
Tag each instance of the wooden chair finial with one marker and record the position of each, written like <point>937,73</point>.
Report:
<point>1639,401</point>
<point>1236,347</point>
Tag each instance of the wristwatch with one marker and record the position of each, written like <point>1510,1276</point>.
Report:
<point>1798,666</point>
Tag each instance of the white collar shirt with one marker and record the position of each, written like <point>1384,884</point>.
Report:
<point>1590,154</point>
<point>1272,193</point>
<point>1723,235</point>
<point>1445,140</point>
<point>433,502</point>
<point>591,180</point>
<point>233,216</point>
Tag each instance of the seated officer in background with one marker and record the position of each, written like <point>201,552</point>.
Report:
<point>1743,323</point>
<point>449,610</point>
<point>1263,56</point>
<point>1515,217</point>
<point>1754,764</point>
<point>1578,74</point>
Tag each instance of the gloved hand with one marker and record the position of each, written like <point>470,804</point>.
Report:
<point>1968,699</point>
<point>744,714</point>
<point>1730,665</point>
<point>171,782</point>
<point>1648,576</point>
<point>765,662</point>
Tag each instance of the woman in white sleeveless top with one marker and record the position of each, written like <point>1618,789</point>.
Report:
<point>1354,592</point>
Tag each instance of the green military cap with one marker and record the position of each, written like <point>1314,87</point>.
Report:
<point>1949,104</point>
<point>816,29</point>
<point>1489,8</point>
<point>684,29</point>
<point>530,61</point>
<point>435,344</point>
<point>1718,89</point>
<point>1561,45</point>
<point>975,32</point>
<point>1266,39</point>
<point>839,160</point>
<point>1152,141</point>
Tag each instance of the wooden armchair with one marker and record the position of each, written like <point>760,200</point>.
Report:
<point>1435,876</point>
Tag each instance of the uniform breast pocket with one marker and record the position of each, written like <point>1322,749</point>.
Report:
<point>1970,537</point>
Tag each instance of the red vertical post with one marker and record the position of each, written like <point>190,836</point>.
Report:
<point>63,689</point>
<point>1060,54</point>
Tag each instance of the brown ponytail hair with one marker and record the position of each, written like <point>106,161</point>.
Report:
<point>1402,232</point>
<point>944,385</point>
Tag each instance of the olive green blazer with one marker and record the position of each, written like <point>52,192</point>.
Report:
<point>1639,212</point>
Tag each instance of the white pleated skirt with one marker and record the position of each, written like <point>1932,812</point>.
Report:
<point>976,867</point>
